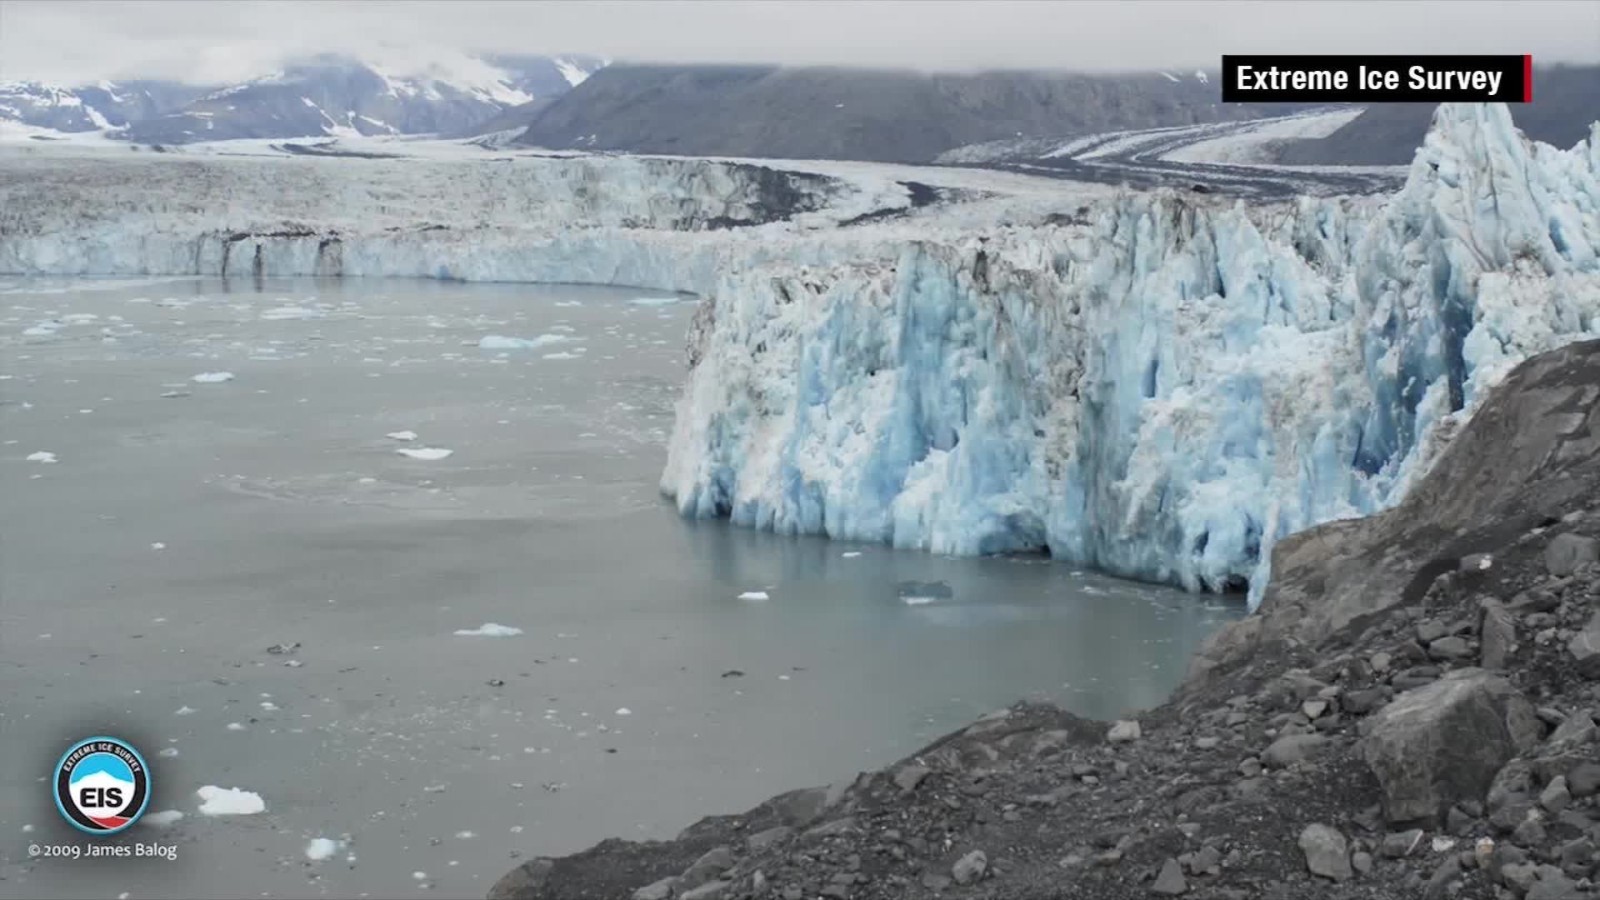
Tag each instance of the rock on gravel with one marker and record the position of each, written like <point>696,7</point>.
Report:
<point>1327,852</point>
<point>1443,742</point>
<point>1124,731</point>
<point>1170,882</point>
<point>970,868</point>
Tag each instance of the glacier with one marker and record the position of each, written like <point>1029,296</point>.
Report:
<point>1163,394</point>
<point>1158,384</point>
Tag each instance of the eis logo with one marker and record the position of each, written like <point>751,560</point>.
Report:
<point>102,785</point>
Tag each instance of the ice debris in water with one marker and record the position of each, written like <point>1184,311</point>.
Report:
<point>427,454</point>
<point>162,819</point>
<point>216,801</point>
<point>212,377</point>
<point>654,301</point>
<point>754,595</point>
<point>291,312</point>
<point>402,435</point>
<point>502,342</point>
<point>43,456</point>
<point>489,629</point>
<point>320,849</point>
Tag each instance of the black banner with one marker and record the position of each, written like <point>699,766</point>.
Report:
<point>1377,79</point>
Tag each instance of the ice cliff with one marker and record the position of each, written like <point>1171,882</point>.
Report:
<point>1162,385</point>
<point>1162,394</point>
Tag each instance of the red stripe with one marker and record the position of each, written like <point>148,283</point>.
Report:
<point>109,821</point>
<point>1527,78</point>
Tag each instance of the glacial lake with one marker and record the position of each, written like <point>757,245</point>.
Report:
<point>162,535</point>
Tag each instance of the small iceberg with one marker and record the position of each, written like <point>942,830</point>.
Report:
<point>428,454</point>
<point>320,849</point>
<point>489,629</point>
<point>212,377</point>
<point>216,801</point>
<point>501,342</point>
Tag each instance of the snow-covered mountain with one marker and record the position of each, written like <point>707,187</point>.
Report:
<point>1161,384</point>
<point>323,95</point>
<point>95,107</point>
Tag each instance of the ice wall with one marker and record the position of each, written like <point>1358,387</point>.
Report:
<point>1163,395</point>
<point>1163,390</point>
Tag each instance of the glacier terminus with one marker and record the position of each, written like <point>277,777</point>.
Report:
<point>1160,384</point>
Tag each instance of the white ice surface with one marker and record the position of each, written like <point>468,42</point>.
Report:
<point>216,801</point>
<point>426,454</point>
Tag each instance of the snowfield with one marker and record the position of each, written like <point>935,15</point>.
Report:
<point>1159,384</point>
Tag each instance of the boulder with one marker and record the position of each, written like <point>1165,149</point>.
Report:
<point>657,890</point>
<point>1290,749</point>
<point>970,868</point>
<point>1124,731</point>
<point>1567,552</point>
<point>1585,648</point>
<point>1170,881</point>
<point>1327,852</point>
<point>1444,742</point>
<point>1499,635</point>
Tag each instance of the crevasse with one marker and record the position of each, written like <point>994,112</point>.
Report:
<point>1162,395</point>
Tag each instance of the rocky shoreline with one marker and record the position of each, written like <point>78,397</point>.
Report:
<point>1411,713</point>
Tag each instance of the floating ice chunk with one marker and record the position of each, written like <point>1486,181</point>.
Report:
<point>501,342</point>
<point>754,595</point>
<point>235,726</point>
<point>43,329</point>
<point>850,554</point>
<point>402,435</point>
<point>914,600</point>
<point>624,711</point>
<point>465,835</point>
<point>320,849</point>
<point>168,753</point>
<point>428,454</point>
<point>212,377</point>
<point>216,801</point>
<point>563,355</point>
<point>43,456</point>
<point>163,819</point>
<point>157,545</point>
<point>655,301</point>
<point>185,711</point>
<point>291,312</point>
<point>489,629</point>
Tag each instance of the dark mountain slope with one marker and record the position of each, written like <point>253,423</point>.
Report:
<point>829,113</point>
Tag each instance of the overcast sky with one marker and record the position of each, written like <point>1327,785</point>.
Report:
<point>227,40</point>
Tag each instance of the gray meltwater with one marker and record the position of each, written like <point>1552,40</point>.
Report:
<point>161,533</point>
